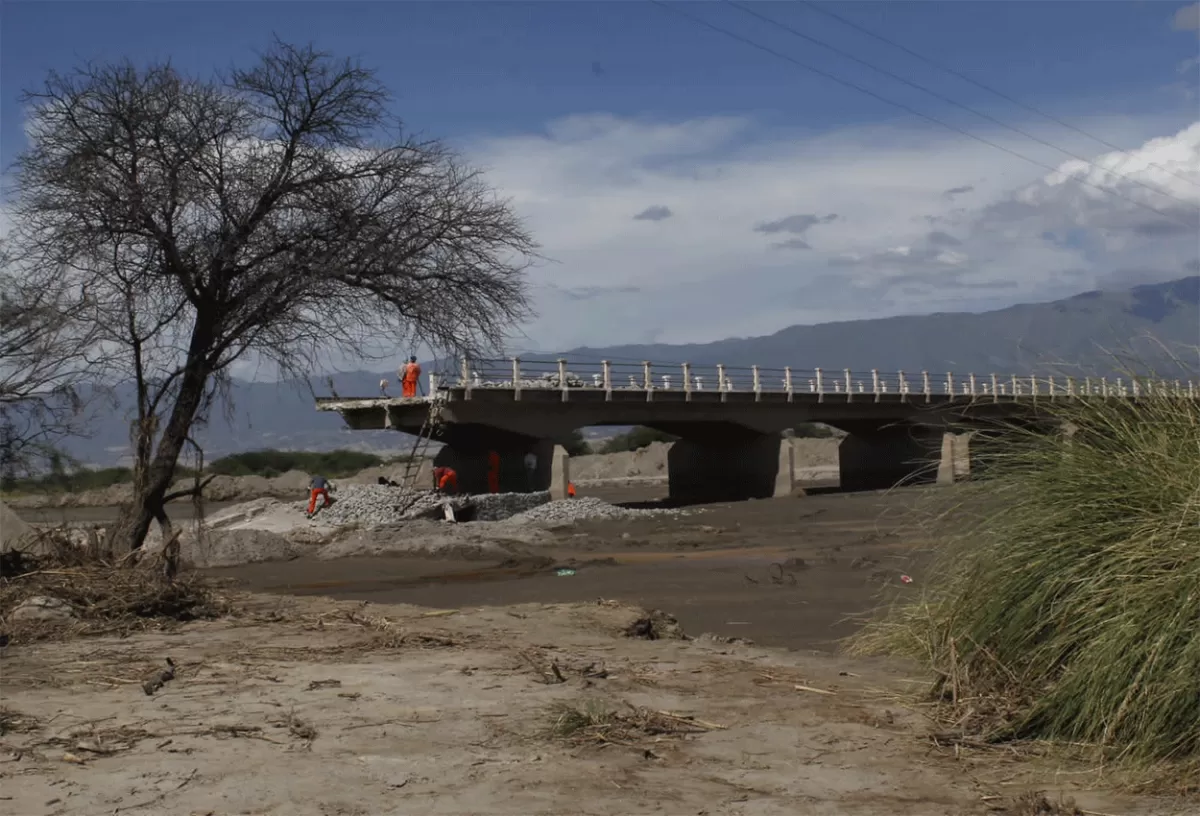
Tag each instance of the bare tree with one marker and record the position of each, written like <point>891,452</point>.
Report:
<point>49,362</point>
<point>276,212</point>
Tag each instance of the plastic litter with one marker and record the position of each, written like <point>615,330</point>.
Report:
<point>563,573</point>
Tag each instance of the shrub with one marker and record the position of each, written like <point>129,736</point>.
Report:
<point>635,439</point>
<point>268,463</point>
<point>576,445</point>
<point>1064,596</point>
<point>76,481</point>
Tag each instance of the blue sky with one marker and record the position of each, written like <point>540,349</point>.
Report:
<point>588,113</point>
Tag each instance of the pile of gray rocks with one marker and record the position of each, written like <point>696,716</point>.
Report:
<point>375,505</point>
<point>500,506</point>
<point>586,508</point>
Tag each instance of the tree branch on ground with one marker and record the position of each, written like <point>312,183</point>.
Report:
<point>276,214</point>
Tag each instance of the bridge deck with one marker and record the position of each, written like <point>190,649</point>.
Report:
<point>517,394</point>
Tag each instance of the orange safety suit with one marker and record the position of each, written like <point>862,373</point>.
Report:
<point>493,472</point>
<point>570,490</point>
<point>411,375</point>
<point>446,479</point>
<point>318,488</point>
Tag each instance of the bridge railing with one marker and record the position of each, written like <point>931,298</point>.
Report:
<point>521,373</point>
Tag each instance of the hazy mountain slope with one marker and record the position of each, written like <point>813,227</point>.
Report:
<point>1079,331</point>
<point>1019,339</point>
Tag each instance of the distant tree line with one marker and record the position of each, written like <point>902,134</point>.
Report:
<point>640,437</point>
<point>66,476</point>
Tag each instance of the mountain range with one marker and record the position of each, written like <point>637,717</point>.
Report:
<point>1080,333</point>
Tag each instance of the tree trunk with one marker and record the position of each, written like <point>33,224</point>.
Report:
<point>132,525</point>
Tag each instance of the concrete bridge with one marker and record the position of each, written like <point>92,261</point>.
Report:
<point>732,422</point>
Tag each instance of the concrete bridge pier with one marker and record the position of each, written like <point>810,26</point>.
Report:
<point>880,457</point>
<point>467,449</point>
<point>730,466</point>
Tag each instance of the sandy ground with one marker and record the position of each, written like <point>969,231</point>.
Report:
<point>413,672</point>
<point>792,573</point>
<point>314,707</point>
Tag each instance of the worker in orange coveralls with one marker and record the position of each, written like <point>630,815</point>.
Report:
<point>410,377</point>
<point>493,472</point>
<point>570,490</point>
<point>445,480</point>
<point>319,488</point>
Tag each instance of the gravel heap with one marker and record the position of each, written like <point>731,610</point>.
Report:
<point>374,505</point>
<point>586,508</point>
<point>500,506</point>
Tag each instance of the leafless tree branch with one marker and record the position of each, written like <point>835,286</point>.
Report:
<point>267,213</point>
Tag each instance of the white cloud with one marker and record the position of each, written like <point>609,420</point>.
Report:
<point>1187,18</point>
<point>924,221</point>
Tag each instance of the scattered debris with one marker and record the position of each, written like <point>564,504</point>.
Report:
<point>550,674</point>
<point>43,608</point>
<point>14,722</point>
<point>594,721</point>
<point>812,689</point>
<point>658,625</point>
<point>320,684</point>
<point>71,590</point>
<point>1035,803</point>
<point>159,679</point>
<point>566,572</point>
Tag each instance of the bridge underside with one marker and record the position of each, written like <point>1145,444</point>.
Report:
<point>728,450</point>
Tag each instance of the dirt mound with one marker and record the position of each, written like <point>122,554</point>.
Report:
<point>650,461</point>
<point>228,548</point>
<point>393,472</point>
<point>15,534</point>
<point>815,452</point>
<point>292,483</point>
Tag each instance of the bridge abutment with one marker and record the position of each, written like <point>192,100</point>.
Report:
<point>882,457</point>
<point>742,466</point>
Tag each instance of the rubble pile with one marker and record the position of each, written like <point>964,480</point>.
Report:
<point>586,508</point>
<point>375,505</point>
<point>500,506</point>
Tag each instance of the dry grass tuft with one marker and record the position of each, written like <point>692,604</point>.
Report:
<point>595,722</point>
<point>1065,591</point>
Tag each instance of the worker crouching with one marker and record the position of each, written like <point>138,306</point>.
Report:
<point>445,481</point>
<point>319,488</point>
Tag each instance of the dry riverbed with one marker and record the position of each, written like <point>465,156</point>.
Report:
<point>313,707</point>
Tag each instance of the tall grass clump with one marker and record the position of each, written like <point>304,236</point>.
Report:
<point>1063,602</point>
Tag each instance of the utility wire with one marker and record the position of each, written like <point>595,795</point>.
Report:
<point>768,50</point>
<point>950,101</point>
<point>987,88</point>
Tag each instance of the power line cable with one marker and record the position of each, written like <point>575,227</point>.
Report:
<point>820,72</point>
<point>987,88</point>
<point>948,100</point>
